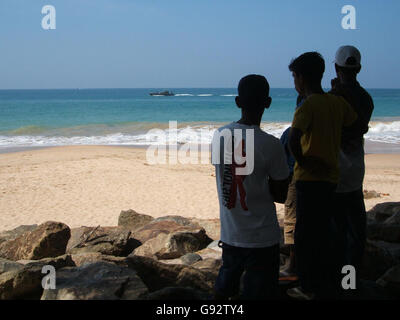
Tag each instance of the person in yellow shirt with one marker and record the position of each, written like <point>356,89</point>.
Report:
<point>314,141</point>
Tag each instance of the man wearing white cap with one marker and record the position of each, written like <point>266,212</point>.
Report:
<point>350,216</point>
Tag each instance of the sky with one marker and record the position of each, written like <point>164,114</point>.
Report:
<point>189,43</point>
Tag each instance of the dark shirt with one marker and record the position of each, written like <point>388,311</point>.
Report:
<point>285,141</point>
<point>352,145</point>
<point>363,105</point>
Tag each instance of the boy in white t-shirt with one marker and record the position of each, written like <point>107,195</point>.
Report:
<point>251,173</point>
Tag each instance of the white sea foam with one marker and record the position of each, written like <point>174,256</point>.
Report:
<point>388,132</point>
<point>228,95</point>
<point>183,95</point>
<point>205,95</point>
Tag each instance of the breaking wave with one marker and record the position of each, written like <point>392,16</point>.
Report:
<point>155,134</point>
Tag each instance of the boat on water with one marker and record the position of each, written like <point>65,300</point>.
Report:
<point>162,93</point>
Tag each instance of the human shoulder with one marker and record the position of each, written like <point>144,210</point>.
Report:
<point>338,100</point>
<point>269,141</point>
<point>228,126</point>
<point>366,95</point>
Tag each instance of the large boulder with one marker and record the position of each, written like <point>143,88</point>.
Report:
<point>177,219</point>
<point>177,293</point>
<point>210,253</point>
<point>208,264</point>
<point>15,233</point>
<point>391,281</point>
<point>370,290</point>
<point>212,227</point>
<point>47,240</point>
<point>157,275</point>
<point>162,226</point>
<point>8,265</point>
<point>174,245</point>
<point>26,282</point>
<point>379,256</point>
<point>190,258</point>
<point>394,219</point>
<point>81,259</point>
<point>115,241</point>
<point>97,281</point>
<point>384,232</point>
<point>384,222</point>
<point>383,211</point>
<point>132,220</point>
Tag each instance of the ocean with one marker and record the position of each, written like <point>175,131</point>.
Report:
<point>41,118</point>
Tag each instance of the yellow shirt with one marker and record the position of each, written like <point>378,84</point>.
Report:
<point>321,119</point>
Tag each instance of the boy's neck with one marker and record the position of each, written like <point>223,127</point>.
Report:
<point>313,89</point>
<point>249,121</point>
<point>347,80</point>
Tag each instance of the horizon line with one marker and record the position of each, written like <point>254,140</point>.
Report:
<point>130,88</point>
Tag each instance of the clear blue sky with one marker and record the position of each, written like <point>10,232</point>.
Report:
<point>188,43</point>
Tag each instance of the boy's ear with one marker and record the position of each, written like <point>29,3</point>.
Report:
<point>238,102</point>
<point>268,104</point>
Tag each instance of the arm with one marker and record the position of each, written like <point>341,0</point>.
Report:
<point>279,189</point>
<point>278,176</point>
<point>295,145</point>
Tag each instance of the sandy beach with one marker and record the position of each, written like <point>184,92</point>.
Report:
<point>90,185</point>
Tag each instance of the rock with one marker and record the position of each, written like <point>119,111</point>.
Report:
<point>174,244</point>
<point>382,211</point>
<point>212,227</point>
<point>57,262</point>
<point>370,290</point>
<point>391,281</point>
<point>371,194</point>
<point>214,245</point>
<point>394,219</point>
<point>171,261</point>
<point>132,220</point>
<point>15,233</point>
<point>177,219</point>
<point>97,281</point>
<point>209,264</point>
<point>81,259</point>
<point>8,265</point>
<point>47,240</point>
<point>384,222</point>
<point>379,256</point>
<point>384,231</point>
<point>190,258</point>
<point>115,241</point>
<point>177,293</point>
<point>157,275</point>
<point>26,283</point>
<point>156,227</point>
<point>210,253</point>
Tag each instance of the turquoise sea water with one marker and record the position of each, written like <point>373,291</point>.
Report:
<point>125,116</point>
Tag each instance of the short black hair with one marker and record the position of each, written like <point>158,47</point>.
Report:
<point>310,65</point>
<point>349,72</point>
<point>253,90</point>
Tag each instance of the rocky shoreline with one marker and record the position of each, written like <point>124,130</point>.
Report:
<point>168,258</point>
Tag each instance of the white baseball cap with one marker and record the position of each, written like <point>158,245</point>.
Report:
<point>348,57</point>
